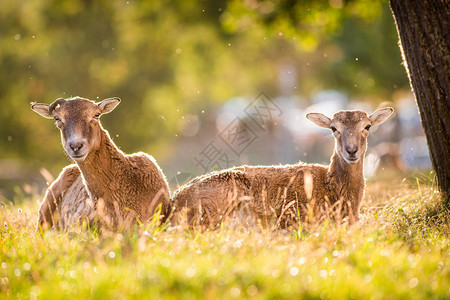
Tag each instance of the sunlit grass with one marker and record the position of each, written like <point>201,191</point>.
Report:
<point>399,249</point>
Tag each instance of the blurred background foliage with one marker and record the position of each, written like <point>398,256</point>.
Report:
<point>171,59</point>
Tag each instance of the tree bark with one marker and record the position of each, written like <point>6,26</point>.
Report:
<point>423,28</point>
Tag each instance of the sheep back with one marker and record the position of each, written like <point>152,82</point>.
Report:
<point>210,198</point>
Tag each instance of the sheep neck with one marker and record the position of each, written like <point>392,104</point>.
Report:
<point>346,180</point>
<point>100,168</point>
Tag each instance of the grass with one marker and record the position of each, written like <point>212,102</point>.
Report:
<point>400,249</point>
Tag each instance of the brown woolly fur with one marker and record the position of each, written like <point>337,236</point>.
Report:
<point>211,197</point>
<point>106,185</point>
<point>287,194</point>
<point>66,200</point>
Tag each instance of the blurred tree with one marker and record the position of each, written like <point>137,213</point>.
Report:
<point>423,28</point>
<point>344,45</point>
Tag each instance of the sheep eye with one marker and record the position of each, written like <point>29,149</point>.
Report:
<point>56,118</point>
<point>97,115</point>
<point>367,127</point>
<point>333,128</point>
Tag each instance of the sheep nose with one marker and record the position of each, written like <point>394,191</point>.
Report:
<point>351,150</point>
<point>76,146</point>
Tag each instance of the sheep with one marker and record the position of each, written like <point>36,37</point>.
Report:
<point>104,184</point>
<point>210,197</point>
<point>286,194</point>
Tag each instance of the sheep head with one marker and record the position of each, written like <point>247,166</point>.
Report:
<point>78,120</point>
<point>351,129</point>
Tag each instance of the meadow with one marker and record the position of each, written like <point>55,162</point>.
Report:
<point>400,249</point>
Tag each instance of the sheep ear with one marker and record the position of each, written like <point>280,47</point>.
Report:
<point>42,109</point>
<point>107,105</point>
<point>380,115</point>
<point>319,119</point>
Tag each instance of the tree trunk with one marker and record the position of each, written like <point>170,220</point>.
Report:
<point>423,28</point>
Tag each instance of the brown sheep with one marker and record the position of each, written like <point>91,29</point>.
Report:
<point>287,194</point>
<point>104,184</point>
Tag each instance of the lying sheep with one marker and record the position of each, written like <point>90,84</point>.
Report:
<point>287,194</point>
<point>104,184</point>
